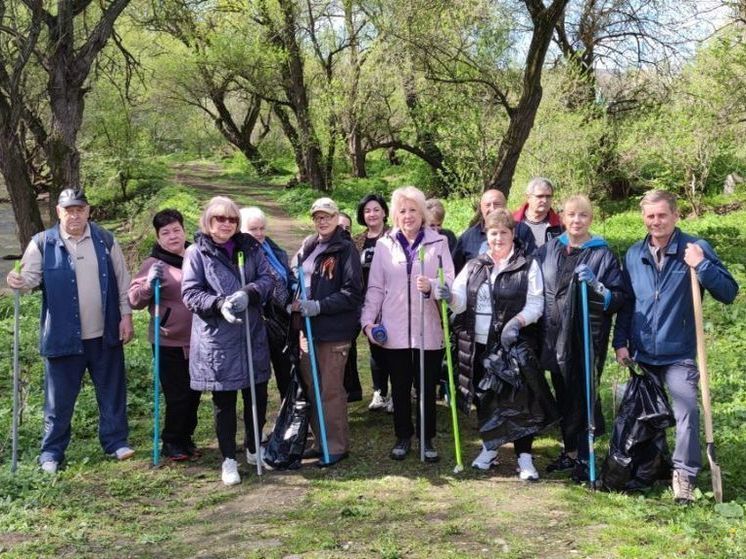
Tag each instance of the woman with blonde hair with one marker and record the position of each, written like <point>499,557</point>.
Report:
<point>573,257</point>
<point>395,286</point>
<point>212,289</point>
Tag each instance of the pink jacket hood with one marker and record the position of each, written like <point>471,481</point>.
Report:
<point>392,298</point>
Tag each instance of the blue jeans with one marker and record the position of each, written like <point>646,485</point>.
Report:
<point>62,383</point>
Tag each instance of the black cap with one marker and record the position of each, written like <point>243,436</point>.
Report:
<point>72,197</point>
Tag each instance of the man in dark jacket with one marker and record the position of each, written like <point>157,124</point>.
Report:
<point>473,241</point>
<point>656,326</point>
<point>333,282</point>
<point>536,221</point>
<point>85,320</point>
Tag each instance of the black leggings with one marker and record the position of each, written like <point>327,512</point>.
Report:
<point>224,406</point>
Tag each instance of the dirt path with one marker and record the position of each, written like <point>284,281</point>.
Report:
<point>205,177</point>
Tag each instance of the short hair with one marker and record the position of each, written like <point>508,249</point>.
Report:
<point>413,194</point>
<point>345,214</point>
<point>655,196</point>
<point>499,218</point>
<point>437,210</point>
<point>372,197</point>
<point>167,217</point>
<point>252,212</point>
<point>538,181</point>
<point>211,209</point>
<point>580,200</point>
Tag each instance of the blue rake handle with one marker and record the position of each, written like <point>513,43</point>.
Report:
<point>156,371</point>
<point>314,372</point>
<point>589,392</point>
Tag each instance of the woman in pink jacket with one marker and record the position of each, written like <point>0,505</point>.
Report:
<point>392,300</point>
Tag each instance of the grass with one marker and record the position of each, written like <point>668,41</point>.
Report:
<point>369,506</point>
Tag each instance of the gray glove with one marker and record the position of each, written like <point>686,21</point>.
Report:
<point>229,313</point>
<point>510,332</point>
<point>238,300</point>
<point>443,292</point>
<point>156,272</point>
<point>309,307</point>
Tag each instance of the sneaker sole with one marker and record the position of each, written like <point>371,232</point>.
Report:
<point>487,467</point>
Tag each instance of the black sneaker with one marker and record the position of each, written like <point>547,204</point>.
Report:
<point>562,463</point>
<point>401,449</point>
<point>431,455</point>
<point>580,472</point>
<point>174,452</point>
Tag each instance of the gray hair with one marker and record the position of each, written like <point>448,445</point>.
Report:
<point>414,195</point>
<point>655,196</point>
<point>252,212</point>
<point>538,181</point>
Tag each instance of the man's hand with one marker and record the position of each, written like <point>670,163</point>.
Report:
<point>693,254</point>
<point>126,330</point>
<point>622,356</point>
<point>15,280</point>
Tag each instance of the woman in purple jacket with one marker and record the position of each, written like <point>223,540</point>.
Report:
<point>392,300</point>
<point>211,288</point>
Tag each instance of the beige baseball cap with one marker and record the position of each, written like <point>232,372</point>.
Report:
<point>326,205</point>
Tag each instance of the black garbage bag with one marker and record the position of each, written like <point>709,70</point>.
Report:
<point>514,397</point>
<point>638,451</point>
<point>285,448</point>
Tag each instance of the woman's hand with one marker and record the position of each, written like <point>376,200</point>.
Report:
<point>423,284</point>
<point>368,331</point>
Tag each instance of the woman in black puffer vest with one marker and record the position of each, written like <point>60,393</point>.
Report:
<point>497,298</point>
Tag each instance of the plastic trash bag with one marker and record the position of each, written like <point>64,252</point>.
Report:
<point>638,450</point>
<point>288,440</point>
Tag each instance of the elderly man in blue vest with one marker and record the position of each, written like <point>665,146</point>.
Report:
<point>85,320</point>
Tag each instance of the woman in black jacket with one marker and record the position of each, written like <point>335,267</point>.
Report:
<point>576,256</point>
<point>333,284</point>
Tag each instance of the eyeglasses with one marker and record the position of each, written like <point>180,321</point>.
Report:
<point>225,219</point>
<point>542,196</point>
<point>319,217</point>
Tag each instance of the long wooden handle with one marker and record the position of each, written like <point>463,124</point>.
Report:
<point>704,379</point>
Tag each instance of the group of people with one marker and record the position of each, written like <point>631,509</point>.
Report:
<point>511,283</point>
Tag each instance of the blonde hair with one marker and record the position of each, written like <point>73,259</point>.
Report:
<point>437,210</point>
<point>413,194</point>
<point>655,196</point>
<point>580,201</point>
<point>218,202</point>
<point>499,218</point>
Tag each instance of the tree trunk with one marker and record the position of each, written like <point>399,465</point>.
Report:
<point>356,152</point>
<point>355,149</point>
<point>20,190</point>
<point>522,116</point>
<point>292,136</point>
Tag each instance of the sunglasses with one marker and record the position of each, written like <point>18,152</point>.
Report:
<point>225,219</point>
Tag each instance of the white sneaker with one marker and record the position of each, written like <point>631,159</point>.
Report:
<point>485,460</point>
<point>389,405</point>
<point>526,470</point>
<point>123,453</point>
<point>49,467</point>
<point>377,402</point>
<point>230,472</point>
<point>251,459</point>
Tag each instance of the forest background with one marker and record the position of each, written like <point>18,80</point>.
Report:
<point>283,100</point>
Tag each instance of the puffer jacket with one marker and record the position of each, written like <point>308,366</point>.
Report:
<point>392,298</point>
<point>218,353</point>
<point>337,284</point>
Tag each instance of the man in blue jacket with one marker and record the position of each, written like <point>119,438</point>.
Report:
<point>85,320</point>
<point>473,241</point>
<point>656,326</point>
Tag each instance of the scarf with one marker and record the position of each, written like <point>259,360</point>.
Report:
<point>169,258</point>
<point>410,251</point>
<point>275,262</point>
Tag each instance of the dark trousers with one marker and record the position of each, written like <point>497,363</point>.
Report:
<point>224,407</point>
<point>182,402</point>
<point>378,372</point>
<point>404,367</point>
<point>352,376</point>
<point>520,446</point>
<point>62,381</point>
<point>281,367</point>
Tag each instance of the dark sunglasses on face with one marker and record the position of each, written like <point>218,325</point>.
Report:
<point>225,219</point>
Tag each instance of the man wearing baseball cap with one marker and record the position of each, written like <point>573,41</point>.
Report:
<point>85,320</point>
<point>333,283</point>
